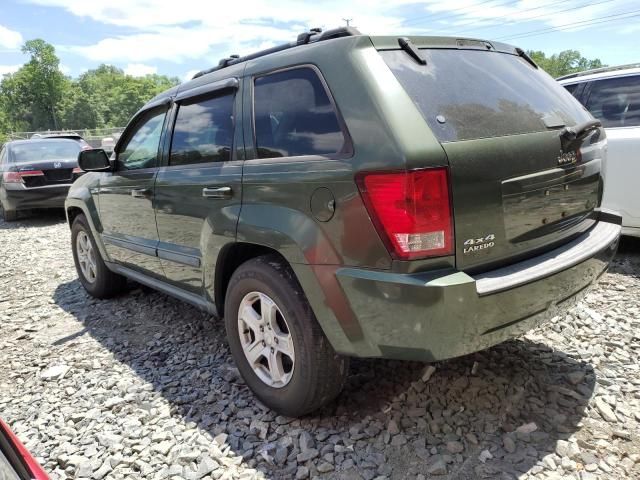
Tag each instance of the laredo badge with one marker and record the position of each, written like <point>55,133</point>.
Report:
<point>476,244</point>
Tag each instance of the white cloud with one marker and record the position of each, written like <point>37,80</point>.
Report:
<point>162,31</point>
<point>140,69</point>
<point>4,69</point>
<point>10,38</point>
<point>189,75</point>
<point>198,28</point>
<point>65,69</point>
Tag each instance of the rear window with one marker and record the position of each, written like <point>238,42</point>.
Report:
<point>470,94</point>
<point>44,150</point>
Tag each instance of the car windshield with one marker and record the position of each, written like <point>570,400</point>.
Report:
<point>469,94</point>
<point>45,150</point>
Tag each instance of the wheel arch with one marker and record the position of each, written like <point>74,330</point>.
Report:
<point>74,207</point>
<point>229,259</point>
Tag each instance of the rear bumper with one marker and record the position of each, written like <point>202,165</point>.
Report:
<point>17,197</point>
<point>444,314</point>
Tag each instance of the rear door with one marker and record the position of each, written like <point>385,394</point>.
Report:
<point>199,189</point>
<point>616,103</point>
<point>498,119</point>
<point>126,195</point>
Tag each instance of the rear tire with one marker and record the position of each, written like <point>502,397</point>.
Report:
<point>311,374</point>
<point>9,215</point>
<point>95,277</point>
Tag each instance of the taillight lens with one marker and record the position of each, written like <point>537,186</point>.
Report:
<point>16,177</point>
<point>411,210</point>
<point>78,171</point>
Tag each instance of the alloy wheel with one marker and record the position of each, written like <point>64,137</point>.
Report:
<point>266,340</point>
<point>86,257</point>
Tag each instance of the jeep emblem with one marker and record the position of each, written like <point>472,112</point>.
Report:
<point>567,158</point>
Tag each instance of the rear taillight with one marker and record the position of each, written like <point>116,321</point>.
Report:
<point>411,210</point>
<point>17,177</point>
<point>78,171</point>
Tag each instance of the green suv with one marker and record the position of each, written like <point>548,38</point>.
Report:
<point>345,195</point>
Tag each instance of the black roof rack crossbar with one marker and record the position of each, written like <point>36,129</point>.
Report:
<point>312,36</point>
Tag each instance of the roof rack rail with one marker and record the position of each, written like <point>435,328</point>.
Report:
<point>599,70</point>
<point>312,36</point>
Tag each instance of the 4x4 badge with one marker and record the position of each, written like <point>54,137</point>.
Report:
<point>476,244</point>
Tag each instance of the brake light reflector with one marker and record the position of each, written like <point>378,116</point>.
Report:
<point>16,177</point>
<point>411,210</point>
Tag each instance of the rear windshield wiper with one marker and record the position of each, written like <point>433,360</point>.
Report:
<point>524,55</point>
<point>572,136</point>
<point>408,46</point>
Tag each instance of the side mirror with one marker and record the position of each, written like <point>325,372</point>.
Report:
<point>95,160</point>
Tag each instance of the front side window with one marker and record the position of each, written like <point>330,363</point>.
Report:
<point>141,150</point>
<point>616,101</point>
<point>203,132</point>
<point>294,116</point>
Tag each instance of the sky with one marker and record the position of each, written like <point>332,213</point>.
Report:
<point>178,38</point>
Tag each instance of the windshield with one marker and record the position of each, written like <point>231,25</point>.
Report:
<point>469,94</point>
<point>45,150</point>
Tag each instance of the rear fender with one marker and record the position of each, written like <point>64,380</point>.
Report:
<point>314,261</point>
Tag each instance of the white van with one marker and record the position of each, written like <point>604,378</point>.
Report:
<point>612,95</point>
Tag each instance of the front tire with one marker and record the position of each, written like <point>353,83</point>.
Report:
<point>96,278</point>
<point>276,342</point>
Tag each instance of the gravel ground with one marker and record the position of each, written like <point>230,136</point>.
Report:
<point>143,386</point>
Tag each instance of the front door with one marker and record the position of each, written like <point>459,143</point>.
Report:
<point>198,191</point>
<point>126,208</point>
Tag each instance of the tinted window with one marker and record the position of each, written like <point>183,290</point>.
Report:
<point>294,116</point>
<point>572,88</point>
<point>141,150</point>
<point>467,94</point>
<point>616,101</point>
<point>37,150</point>
<point>203,132</point>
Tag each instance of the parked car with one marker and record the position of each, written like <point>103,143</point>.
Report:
<point>37,174</point>
<point>347,195</point>
<point>16,463</point>
<point>70,135</point>
<point>613,96</point>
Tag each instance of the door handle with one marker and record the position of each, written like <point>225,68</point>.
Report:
<point>141,193</point>
<point>219,192</point>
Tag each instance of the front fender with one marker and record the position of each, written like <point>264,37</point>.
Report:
<point>80,196</point>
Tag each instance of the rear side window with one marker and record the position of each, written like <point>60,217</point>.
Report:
<point>203,132</point>
<point>470,94</point>
<point>616,101</point>
<point>294,116</point>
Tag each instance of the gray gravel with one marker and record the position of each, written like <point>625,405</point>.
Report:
<point>143,386</point>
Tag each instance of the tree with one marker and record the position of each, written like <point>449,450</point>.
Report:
<point>564,63</point>
<point>39,97</point>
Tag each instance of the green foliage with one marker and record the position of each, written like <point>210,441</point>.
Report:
<point>39,97</point>
<point>564,63</point>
